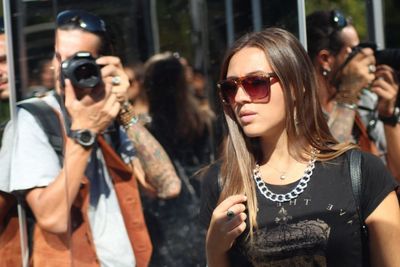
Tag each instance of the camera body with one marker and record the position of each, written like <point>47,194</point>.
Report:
<point>388,56</point>
<point>82,70</point>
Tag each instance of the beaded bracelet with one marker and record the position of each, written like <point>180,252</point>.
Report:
<point>126,116</point>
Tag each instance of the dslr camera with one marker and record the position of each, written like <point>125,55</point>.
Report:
<point>82,70</point>
<point>388,56</point>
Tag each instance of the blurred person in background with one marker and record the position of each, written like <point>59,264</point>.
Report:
<point>4,90</point>
<point>357,96</point>
<point>183,128</point>
<point>43,78</point>
<point>136,94</point>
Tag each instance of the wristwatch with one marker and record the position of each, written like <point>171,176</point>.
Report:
<point>84,137</point>
<point>392,120</point>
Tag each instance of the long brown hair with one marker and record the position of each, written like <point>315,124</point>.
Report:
<point>305,123</point>
<point>174,109</point>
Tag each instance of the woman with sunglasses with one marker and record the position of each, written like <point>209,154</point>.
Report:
<point>356,91</point>
<point>281,193</point>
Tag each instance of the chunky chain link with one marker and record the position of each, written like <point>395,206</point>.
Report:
<point>294,193</point>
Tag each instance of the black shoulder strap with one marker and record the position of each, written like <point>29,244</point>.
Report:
<point>48,121</point>
<point>355,175</point>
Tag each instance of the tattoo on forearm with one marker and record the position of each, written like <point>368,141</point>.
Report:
<point>341,122</point>
<point>156,164</point>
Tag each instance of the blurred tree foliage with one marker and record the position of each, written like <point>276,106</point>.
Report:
<point>350,8</point>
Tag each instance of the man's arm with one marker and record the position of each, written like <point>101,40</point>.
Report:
<point>387,88</point>
<point>156,164</point>
<point>341,121</point>
<point>354,76</point>
<point>51,204</point>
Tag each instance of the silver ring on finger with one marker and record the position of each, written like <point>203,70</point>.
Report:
<point>116,80</point>
<point>371,68</point>
<point>230,214</point>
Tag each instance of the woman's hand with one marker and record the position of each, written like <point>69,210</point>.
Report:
<point>225,228</point>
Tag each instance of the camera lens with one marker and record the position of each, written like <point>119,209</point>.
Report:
<point>82,70</point>
<point>87,75</point>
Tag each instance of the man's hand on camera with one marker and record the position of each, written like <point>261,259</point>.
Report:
<point>94,111</point>
<point>357,75</point>
<point>386,87</point>
<point>114,75</point>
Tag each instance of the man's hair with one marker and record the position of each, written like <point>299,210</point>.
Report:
<point>323,32</point>
<point>75,19</point>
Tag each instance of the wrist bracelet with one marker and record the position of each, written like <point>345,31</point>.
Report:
<point>133,121</point>
<point>347,105</point>
<point>126,116</point>
<point>392,120</point>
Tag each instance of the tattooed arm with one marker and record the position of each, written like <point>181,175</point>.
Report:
<point>354,76</point>
<point>156,164</point>
<point>341,121</point>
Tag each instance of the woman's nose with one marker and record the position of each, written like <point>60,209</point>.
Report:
<point>241,95</point>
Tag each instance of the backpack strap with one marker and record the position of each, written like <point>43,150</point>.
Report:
<point>49,121</point>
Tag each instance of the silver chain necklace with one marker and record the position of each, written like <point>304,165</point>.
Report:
<point>294,193</point>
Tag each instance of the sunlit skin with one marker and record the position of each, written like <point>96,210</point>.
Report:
<point>264,119</point>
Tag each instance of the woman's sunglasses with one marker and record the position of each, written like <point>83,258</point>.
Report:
<point>82,19</point>
<point>257,86</point>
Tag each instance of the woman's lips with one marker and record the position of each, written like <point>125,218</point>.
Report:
<point>247,116</point>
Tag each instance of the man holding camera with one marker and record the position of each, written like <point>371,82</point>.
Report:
<point>349,78</point>
<point>87,206</point>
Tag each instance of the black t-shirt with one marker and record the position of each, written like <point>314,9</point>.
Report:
<point>319,228</point>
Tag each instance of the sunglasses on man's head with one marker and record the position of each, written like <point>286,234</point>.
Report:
<point>82,19</point>
<point>338,20</point>
<point>257,86</point>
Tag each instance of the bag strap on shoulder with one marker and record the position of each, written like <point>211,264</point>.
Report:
<point>355,175</point>
<point>48,120</point>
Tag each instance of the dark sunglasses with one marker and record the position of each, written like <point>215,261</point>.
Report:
<point>257,86</point>
<point>82,19</point>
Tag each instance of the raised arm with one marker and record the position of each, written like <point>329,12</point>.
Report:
<point>355,76</point>
<point>386,87</point>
